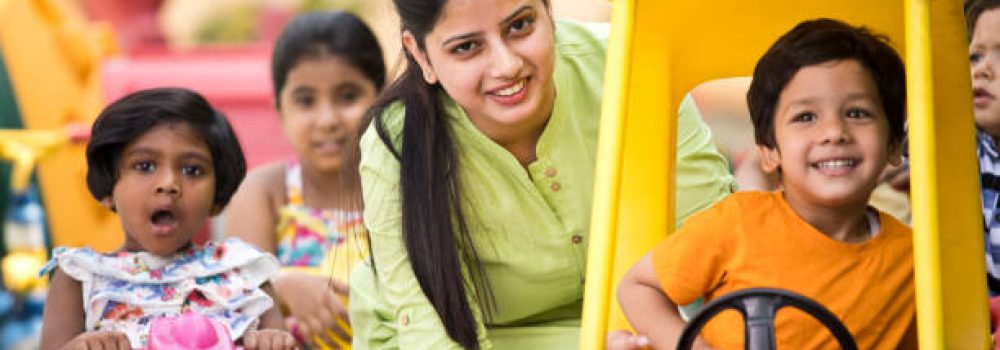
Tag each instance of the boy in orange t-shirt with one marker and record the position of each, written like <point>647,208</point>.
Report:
<point>827,103</point>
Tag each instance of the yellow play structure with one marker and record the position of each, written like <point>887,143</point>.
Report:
<point>50,70</point>
<point>661,49</point>
<point>53,55</point>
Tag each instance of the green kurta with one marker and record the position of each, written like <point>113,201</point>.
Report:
<point>530,225</point>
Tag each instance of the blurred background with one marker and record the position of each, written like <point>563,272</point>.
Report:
<point>61,61</point>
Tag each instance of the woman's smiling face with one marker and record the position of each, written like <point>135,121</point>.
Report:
<point>495,59</point>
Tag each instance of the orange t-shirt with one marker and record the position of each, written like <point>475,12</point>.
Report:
<point>754,239</point>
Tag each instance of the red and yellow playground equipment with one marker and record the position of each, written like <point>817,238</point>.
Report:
<point>661,49</point>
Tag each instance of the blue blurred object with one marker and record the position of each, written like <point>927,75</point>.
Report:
<point>24,226</point>
<point>21,298</point>
<point>21,320</point>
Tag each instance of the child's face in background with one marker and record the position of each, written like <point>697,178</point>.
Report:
<point>832,132</point>
<point>984,55</point>
<point>165,189</point>
<point>323,101</point>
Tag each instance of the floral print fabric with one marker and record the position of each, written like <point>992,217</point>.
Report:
<point>125,291</point>
<point>306,235</point>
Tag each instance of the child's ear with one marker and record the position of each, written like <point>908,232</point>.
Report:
<point>109,203</point>
<point>770,159</point>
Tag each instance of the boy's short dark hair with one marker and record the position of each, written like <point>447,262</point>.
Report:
<point>974,9</point>
<point>823,40</point>
<point>130,117</point>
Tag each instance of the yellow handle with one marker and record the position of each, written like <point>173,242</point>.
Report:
<point>25,147</point>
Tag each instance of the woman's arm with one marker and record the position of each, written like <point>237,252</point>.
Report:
<point>252,214</point>
<point>702,172</point>
<point>63,317</point>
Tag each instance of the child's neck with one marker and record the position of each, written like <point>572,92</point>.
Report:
<point>326,190</point>
<point>847,223</point>
<point>127,247</point>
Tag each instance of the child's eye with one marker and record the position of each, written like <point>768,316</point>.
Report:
<point>305,101</point>
<point>804,117</point>
<point>975,57</point>
<point>192,170</point>
<point>465,47</point>
<point>347,96</point>
<point>858,113</point>
<point>521,26</point>
<point>144,166</point>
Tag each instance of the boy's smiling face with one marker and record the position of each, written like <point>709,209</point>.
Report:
<point>984,55</point>
<point>832,136</point>
<point>165,189</point>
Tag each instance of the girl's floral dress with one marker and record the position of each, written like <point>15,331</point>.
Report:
<point>330,239</point>
<point>125,291</point>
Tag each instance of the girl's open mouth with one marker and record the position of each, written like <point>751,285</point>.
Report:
<point>164,221</point>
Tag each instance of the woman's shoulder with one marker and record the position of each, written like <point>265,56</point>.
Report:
<point>580,56</point>
<point>390,119</point>
<point>575,37</point>
<point>389,124</point>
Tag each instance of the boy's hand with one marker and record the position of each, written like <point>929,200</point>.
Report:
<point>268,339</point>
<point>625,340</point>
<point>99,341</point>
<point>314,303</point>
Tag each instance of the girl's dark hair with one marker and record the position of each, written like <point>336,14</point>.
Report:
<point>815,42</point>
<point>130,117</point>
<point>974,9</point>
<point>315,34</point>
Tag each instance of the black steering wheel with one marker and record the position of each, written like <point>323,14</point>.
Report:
<point>758,306</point>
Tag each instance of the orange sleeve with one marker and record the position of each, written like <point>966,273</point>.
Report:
<point>695,259</point>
